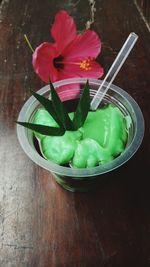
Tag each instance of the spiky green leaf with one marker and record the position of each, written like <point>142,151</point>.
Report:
<point>42,129</point>
<point>60,110</point>
<point>82,108</point>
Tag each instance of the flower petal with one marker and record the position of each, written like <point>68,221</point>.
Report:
<point>70,91</point>
<point>83,46</point>
<point>42,61</point>
<point>74,70</point>
<point>63,30</point>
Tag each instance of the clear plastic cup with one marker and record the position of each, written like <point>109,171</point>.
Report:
<point>73,179</point>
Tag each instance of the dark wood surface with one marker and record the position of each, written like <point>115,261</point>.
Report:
<point>144,8</point>
<point>41,224</point>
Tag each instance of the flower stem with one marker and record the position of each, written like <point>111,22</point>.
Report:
<point>92,11</point>
<point>28,43</point>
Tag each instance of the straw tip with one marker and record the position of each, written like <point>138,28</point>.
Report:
<point>134,34</point>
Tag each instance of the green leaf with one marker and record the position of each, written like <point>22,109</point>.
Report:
<point>60,110</point>
<point>42,129</point>
<point>82,108</point>
<point>47,104</point>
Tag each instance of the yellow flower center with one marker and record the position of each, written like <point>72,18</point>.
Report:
<point>86,64</point>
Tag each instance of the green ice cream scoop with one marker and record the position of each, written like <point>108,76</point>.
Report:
<point>60,149</point>
<point>107,126</point>
<point>89,154</point>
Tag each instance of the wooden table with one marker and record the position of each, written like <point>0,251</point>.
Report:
<point>41,224</point>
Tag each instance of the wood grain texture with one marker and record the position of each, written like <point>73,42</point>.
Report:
<point>42,225</point>
<point>144,6</point>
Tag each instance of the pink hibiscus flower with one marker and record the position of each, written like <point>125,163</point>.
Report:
<point>71,55</point>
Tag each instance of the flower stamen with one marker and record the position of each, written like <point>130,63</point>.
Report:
<point>86,64</point>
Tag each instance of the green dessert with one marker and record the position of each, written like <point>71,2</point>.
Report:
<point>101,138</point>
<point>79,139</point>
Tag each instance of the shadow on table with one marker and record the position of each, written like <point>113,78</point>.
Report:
<point>115,217</point>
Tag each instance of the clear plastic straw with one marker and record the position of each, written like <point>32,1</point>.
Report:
<point>114,69</point>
